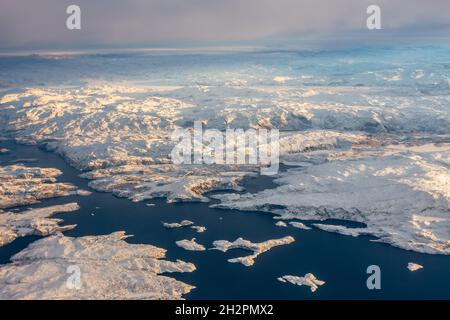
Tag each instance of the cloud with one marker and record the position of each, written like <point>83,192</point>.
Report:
<point>143,23</point>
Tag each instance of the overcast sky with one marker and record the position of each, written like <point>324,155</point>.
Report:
<point>41,24</point>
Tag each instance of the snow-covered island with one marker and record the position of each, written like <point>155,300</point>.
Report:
<point>107,266</point>
<point>33,222</point>
<point>308,280</point>
<point>21,185</point>
<point>257,248</point>
<point>373,154</point>
<point>299,225</point>
<point>414,266</point>
<point>190,245</point>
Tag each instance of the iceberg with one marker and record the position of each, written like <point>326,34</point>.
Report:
<point>199,229</point>
<point>281,224</point>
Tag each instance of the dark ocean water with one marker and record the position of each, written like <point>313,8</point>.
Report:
<point>339,260</point>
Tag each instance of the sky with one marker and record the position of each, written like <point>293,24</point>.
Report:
<point>41,24</point>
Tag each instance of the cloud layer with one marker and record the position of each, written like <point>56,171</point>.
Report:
<point>115,23</point>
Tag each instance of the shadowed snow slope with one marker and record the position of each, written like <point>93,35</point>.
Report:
<point>109,268</point>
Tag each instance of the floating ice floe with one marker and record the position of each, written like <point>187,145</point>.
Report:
<point>308,280</point>
<point>199,229</point>
<point>414,266</point>
<point>108,267</point>
<point>191,245</point>
<point>257,248</point>
<point>4,150</point>
<point>281,224</point>
<point>181,224</point>
<point>20,185</point>
<point>33,222</point>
